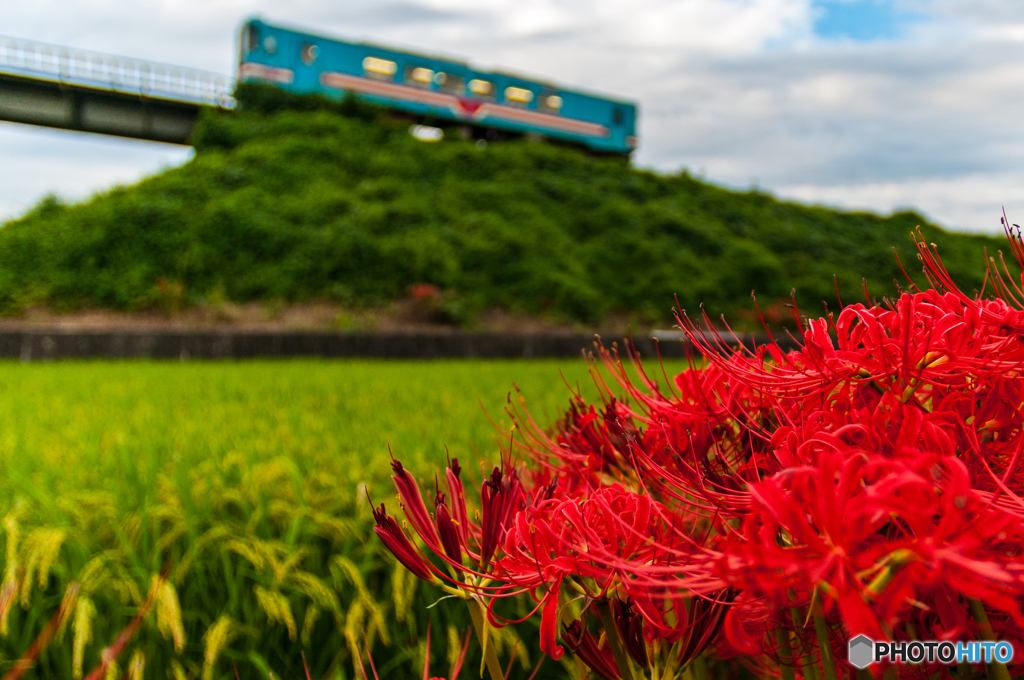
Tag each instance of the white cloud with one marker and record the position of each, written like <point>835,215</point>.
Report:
<point>971,203</point>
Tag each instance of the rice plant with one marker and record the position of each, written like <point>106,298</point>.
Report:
<point>243,482</point>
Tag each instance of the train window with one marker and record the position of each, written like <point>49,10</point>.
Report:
<point>417,75</point>
<point>451,83</point>
<point>617,116</point>
<point>551,102</point>
<point>382,69</point>
<point>518,95</point>
<point>309,53</point>
<point>270,44</point>
<point>481,88</point>
<point>250,39</point>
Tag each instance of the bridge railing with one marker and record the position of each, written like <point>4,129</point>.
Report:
<point>120,74</point>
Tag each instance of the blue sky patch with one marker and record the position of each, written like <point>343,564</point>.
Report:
<point>861,20</point>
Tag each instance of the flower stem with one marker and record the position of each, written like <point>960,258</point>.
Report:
<point>700,667</point>
<point>611,633</point>
<point>785,653</point>
<point>828,663</point>
<point>996,669</point>
<point>806,660</point>
<point>479,616</point>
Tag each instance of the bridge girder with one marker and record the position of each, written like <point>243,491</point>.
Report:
<point>75,107</point>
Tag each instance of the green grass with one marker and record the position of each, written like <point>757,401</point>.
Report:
<point>243,476</point>
<point>291,205</point>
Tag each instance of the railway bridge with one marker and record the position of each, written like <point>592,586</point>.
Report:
<point>72,89</point>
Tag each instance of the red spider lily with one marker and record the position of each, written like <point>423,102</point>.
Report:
<point>500,495</point>
<point>585,537</point>
<point>691,624</point>
<point>400,546</point>
<point>608,539</point>
<point>630,627</point>
<point>453,475</point>
<point>425,292</point>
<point>866,482</point>
<point>599,659</point>
<point>412,502</point>
<point>870,538</point>
<point>448,531</point>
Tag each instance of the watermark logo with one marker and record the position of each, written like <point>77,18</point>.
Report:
<point>862,651</point>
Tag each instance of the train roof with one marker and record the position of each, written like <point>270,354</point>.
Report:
<point>438,57</point>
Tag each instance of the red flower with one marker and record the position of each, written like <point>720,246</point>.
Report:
<point>870,477</point>
<point>583,644</point>
<point>415,508</point>
<point>695,620</point>
<point>630,628</point>
<point>449,533</point>
<point>499,498</point>
<point>458,510</point>
<point>400,546</point>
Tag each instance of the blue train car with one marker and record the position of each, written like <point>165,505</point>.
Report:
<point>433,88</point>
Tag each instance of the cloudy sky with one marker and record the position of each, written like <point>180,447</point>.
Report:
<point>876,104</point>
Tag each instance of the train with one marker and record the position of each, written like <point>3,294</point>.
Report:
<point>442,91</point>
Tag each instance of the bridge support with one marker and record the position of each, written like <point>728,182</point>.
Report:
<point>76,107</point>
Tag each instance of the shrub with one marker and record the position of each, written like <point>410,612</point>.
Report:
<point>298,198</point>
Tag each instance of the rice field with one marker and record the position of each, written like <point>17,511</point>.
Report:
<point>242,484</point>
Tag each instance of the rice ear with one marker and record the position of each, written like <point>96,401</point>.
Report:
<point>177,671</point>
<point>82,629</point>
<point>309,620</point>
<point>69,603</point>
<point>251,553</point>
<point>454,642</point>
<point>42,547</point>
<point>315,589</point>
<point>13,531</point>
<point>354,627</point>
<point>349,569</point>
<point>8,591</point>
<point>137,666</point>
<point>403,589</point>
<point>217,637</point>
<point>277,608</point>
<point>168,613</point>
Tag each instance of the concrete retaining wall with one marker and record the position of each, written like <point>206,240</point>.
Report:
<point>50,344</point>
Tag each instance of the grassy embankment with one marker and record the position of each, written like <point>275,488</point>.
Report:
<point>245,478</point>
<point>286,205</point>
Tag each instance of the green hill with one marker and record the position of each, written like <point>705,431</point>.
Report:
<point>298,199</point>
